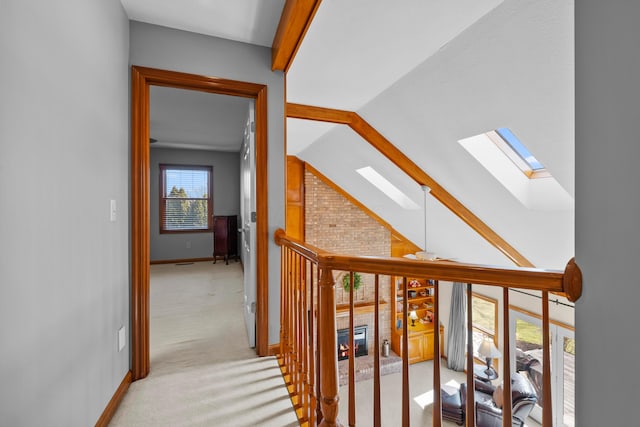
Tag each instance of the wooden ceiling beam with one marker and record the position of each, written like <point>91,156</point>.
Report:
<point>294,22</point>
<point>397,157</point>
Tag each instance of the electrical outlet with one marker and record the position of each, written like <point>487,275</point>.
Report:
<point>121,338</point>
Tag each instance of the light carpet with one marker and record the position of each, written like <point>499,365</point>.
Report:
<point>203,372</point>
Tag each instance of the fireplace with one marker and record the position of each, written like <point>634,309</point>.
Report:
<point>359,338</point>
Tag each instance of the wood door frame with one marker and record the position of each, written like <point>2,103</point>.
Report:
<point>141,79</point>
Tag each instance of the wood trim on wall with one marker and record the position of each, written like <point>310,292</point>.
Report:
<point>295,20</point>
<point>386,148</point>
<point>113,404</point>
<point>538,316</point>
<point>295,215</point>
<point>142,79</point>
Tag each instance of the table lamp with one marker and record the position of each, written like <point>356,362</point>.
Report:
<point>489,351</point>
<point>413,316</point>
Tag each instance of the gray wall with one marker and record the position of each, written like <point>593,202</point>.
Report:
<point>64,154</point>
<point>607,211</point>
<point>159,47</point>
<point>226,200</point>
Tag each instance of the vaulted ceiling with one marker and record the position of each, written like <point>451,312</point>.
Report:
<point>425,74</point>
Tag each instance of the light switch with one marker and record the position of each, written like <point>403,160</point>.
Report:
<point>113,211</point>
<point>121,338</point>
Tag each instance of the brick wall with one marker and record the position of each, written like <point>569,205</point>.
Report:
<point>335,224</point>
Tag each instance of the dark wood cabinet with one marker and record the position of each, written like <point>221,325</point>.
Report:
<point>225,237</point>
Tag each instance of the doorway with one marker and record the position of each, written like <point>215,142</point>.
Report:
<point>142,79</point>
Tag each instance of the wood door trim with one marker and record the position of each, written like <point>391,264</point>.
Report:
<point>142,79</point>
<point>397,157</point>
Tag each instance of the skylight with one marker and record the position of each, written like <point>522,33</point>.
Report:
<point>390,190</point>
<point>514,166</point>
<point>515,150</point>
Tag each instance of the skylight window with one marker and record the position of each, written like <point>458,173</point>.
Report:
<point>514,166</point>
<point>515,150</point>
<point>390,190</point>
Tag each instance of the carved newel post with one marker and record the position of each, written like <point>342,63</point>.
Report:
<point>328,357</point>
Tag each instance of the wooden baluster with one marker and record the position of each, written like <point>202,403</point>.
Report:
<point>304,341</point>
<point>437,398</point>
<point>312,352</point>
<point>328,356</point>
<point>352,357</point>
<point>405,355</point>
<point>376,356</point>
<point>470,408</point>
<point>283,292</point>
<point>285,309</point>
<point>507,410</point>
<point>298,343</point>
<point>290,320</point>
<point>319,349</point>
<point>547,410</point>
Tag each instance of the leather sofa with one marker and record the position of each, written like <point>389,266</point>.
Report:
<point>488,411</point>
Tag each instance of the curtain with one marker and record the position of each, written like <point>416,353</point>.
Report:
<point>456,340</point>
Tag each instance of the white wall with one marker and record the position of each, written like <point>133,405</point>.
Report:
<point>164,48</point>
<point>513,68</point>
<point>226,201</point>
<point>607,211</point>
<point>64,154</point>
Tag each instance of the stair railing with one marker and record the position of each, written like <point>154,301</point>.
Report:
<point>308,342</point>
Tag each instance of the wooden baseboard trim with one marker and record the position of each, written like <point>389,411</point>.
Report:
<point>113,404</point>
<point>178,261</point>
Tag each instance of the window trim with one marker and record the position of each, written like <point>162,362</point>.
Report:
<point>162,199</point>
<point>482,330</point>
<point>515,157</point>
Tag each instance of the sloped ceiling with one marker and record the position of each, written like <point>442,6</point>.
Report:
<point>425,74</point>
<point>513,67</point>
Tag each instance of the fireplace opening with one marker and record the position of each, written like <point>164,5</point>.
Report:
<point>359,339</point>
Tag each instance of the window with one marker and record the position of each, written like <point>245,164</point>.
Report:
<point>485,322</point>
<point>519,154</point>
<point>186,201</point>
<point>507,159</point>
<point>526,339</point>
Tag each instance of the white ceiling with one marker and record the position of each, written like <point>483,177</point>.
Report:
<point>356,49</point>
<point>391,38</point>
<point>248,21</point>
<point>425,74</point>
<point>189,119</point>
<point>197,120</point>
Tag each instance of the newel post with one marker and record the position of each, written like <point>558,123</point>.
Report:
<point>328,355</point>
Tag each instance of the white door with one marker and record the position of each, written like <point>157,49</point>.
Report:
<point>248,224</point>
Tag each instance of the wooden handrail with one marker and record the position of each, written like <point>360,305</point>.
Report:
<point>567,282</point>
<point>303,265</point>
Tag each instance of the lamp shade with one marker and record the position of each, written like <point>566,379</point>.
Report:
<point>413,315</point>
<point>488,350</point>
